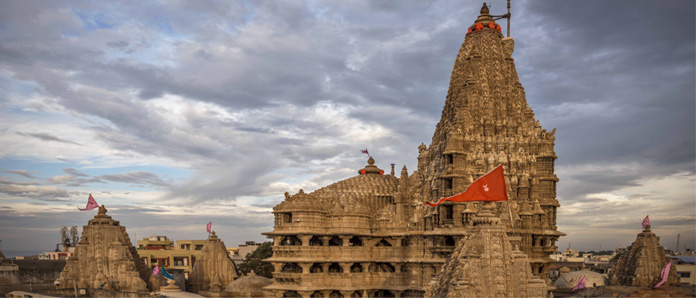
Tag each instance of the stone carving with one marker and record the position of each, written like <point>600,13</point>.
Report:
<point>214,270</point>
<point>371,235</point>
<point>642,263</point>
<point>104,258</point>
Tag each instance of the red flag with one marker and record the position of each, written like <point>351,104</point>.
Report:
<point>664,274</point>
<point>579,285</point>
<point>646,222</point>
<point>208,226</point>
<point>91,204</point>
<point>490,187</point>
<point>365,151</point>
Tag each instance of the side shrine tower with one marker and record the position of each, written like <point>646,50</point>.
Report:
<point>371,235</point>
<point>105,261</point>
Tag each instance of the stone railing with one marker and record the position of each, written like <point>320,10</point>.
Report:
<point>339,253</point>
<point>341,280</point>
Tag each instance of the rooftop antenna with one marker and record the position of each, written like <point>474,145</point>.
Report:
<point>505,16</point>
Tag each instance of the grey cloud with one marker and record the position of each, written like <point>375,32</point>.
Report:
<point>74,172</point>
<point>137,177</point>
<point>118,44</point>
<point>23,173</point>
<point>33,190</point>
<point>47,137</point>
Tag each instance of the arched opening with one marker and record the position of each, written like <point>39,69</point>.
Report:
<point>291,240</point>
<point>335,294</point>
<point>316,268</point>
<point>383,243</point>
<point>335,241</point>
<point>291,268</point>
<point>541,269</point>
<point>384,293</point>
<point>315,241</point>
<point>356,268</point>
<point>317,295</point>
<point>449,241</point>
<point>335,268</point>
<point>384,267</point>
<point>355,241</point>
<point>292,294</point>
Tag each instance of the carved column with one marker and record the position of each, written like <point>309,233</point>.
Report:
<point>305,267</point>
<point>397,267</point>
<point>347,294</point>
<point>365,266</point>
<point>277,267</point>
<point>325,267</point>
<point>398,241</point>
<point>345,266</point>
<point>345,239</point>
<point>305,239</point>
<point>325,240</point>
<point>326,293</point>
<point>306,294</point>
<point>397,294</point>
<point>277,240</point>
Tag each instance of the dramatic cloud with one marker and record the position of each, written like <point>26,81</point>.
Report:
<point>214,110</point>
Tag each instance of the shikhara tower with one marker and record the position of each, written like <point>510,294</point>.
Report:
<point>370,235</point>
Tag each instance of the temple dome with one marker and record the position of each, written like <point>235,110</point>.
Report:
<point>249,286</point>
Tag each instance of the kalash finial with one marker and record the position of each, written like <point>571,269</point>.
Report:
<point>370,168</point>
<point>484,9</point>
<point>102,210</point>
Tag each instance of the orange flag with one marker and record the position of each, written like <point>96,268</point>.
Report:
<point>490,187</point>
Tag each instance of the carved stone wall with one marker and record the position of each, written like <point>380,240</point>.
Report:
<point>642,263</point>
<point>214,270</point>
<point>485,264</point>
<point>104,258</point>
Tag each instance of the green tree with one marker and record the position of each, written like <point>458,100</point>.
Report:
<point>254,261</point>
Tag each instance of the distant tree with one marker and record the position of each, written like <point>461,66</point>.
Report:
<point>253,261</point>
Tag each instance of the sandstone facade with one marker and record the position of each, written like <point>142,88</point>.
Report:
<point>104,258</point>
<point>486,264</point>
<point>370,235</point>
<point>642,263</point>
<point>214,270</point>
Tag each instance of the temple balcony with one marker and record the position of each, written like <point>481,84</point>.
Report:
<point>342,280</point>
<point>337,253</point>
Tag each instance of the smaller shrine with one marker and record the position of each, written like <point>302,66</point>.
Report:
<point>214,270</point>
<point>642,263</point>
<point>487,264</point>
<point>106,262</point>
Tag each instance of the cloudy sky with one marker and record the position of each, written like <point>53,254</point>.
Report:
<point>177,113</point>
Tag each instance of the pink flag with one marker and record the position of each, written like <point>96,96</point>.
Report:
<point>207,227</point>
<point>91,204</point>
<point>365,151</point>
<point>664,274</point>
<point>579,285</point>
<point>155,270</point>
<point>646,222</point>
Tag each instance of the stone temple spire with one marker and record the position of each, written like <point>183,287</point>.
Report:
<point>214,269</point>
<point>486,121</point>
<point>485,264</point>
<point>642,263</point>
<point>104,258</point>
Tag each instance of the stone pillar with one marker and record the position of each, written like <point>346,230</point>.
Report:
<point>397,267</point>
<point>304,239</point>
<point>345,266</point>
<point>325,267</point>
<point>277,267</point>
<point>306,294</point>
<point>365,267</point>
<point>347,294</point>
<point>326,293</point>
<point>397,294</point>
<point>305,267</point>
<point>345,239</point>
<point>325,240</point>
<point>277,240</point>
<point>279,294</point>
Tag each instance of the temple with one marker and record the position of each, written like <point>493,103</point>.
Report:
<point>213,270</point>
<point>105,262</point>
<point>642,263</point>
<point>370,235</point>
